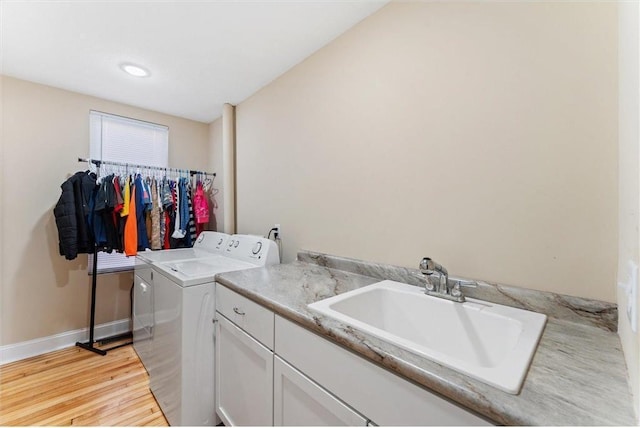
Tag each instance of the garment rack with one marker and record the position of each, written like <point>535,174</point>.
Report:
<point>98,163</point>
<point>94,277</point>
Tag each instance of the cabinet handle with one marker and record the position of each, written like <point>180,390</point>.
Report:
<point>238,311</point>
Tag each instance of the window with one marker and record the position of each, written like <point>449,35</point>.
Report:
<point>120,139</point>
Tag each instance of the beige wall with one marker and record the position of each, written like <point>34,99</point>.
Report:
<point>215,160</point>
<point>44,131</point>
<point>482,134</point>
<point>629,180</point>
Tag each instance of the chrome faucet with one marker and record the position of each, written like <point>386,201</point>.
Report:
<point>443,288</point>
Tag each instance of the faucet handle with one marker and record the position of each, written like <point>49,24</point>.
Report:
<point>466,283</point>
<point>455,290</point>
<point>428,285</point>
<point>428,266</point>
<point>424,266</point>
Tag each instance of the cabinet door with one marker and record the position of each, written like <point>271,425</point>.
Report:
<point>244,377</point>
<point>298,401</point>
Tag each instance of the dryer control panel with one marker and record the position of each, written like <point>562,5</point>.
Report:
<point>253,249</point>
<point>212,241</point>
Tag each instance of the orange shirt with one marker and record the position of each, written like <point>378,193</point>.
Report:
<point>131,227</point>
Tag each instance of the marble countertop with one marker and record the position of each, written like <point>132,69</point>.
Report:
<point>577,377</point>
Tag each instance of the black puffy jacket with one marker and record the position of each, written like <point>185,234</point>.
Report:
<point>71,214</point>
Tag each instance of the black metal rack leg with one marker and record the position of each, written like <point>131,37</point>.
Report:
<point>89,345</point>
<point>94,279</point>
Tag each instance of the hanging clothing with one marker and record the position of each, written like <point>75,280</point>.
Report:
<point>143,240</point>
<point>128,213</point>
<point>191,227</point>
<point>182,234</point>
<point>115,214</point>
<point>105,224</point>
<point>146,194</point>
<point>178,230</point>
<point>163,209</point>
<point>201,208</point>
<point>155,217</point>
<point>184,206</point>
<point>167,197</point>
<point>201,205</point>
<point>131,227</point>
<point>211,193</point>
<point>126,197</point>
<point>147,225</point>
<point>119,199</point>
<point>71,214</point>
<point>166,242</point>
<point>174,242</point>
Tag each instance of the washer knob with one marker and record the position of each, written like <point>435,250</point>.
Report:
<point>256,248</point>
<point>236,244</point>
<point>231,243</point>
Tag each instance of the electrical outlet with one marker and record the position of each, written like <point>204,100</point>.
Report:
<point>278,231</point>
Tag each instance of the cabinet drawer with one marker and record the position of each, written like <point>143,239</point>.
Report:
<point>249,316</point>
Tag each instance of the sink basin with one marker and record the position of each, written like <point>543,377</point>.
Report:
<point>489,342</point>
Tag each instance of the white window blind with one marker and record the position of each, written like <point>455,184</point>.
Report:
<point>120,139</point>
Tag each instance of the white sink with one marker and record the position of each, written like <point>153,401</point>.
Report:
<point>489,342</point>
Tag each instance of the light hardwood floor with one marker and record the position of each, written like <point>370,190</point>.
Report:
<point>77,387</point>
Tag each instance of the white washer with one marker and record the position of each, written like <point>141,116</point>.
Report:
<point>181,368</point>
<point>207,244</point>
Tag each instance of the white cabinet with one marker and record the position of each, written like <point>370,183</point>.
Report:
<point>310,381</point>
<point>244,377</point>
<point>298,401</point>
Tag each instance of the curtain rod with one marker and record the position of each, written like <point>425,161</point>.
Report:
<point>97,163</point>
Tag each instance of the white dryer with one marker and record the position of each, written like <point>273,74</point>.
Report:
<point>207,245</point>
<point>181,369</point>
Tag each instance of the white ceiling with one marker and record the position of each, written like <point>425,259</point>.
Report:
<point>201,54</point>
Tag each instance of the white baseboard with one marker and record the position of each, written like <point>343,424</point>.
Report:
<point>30,348</point>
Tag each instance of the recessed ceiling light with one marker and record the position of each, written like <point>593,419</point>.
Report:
<point>135,70</point>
